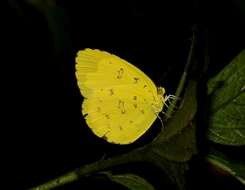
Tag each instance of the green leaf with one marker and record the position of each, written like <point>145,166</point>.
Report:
<point>180,147</point>
<point>227,109</point>
<point>131,181</point>
<point>174,170</point>
<point>177,142</point>
<point>233,167</point>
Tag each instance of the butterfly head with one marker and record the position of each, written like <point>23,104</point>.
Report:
<point>160,91</point>
<point>161,98</point>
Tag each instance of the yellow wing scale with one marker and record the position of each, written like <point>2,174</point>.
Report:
<point>119,98</point>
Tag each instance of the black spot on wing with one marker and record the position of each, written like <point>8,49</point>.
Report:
<point>111,91</point>
<point>121,106</point>
<point>136,79</point>
<point>120,73</point>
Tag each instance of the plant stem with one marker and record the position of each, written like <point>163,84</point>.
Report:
<point>183,77</point>
<point>133,156</point>
<point>59,181</point>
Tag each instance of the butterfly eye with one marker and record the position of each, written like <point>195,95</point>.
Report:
<point>161,91</point>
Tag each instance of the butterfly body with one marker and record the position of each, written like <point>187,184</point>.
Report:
<point>120,101</point>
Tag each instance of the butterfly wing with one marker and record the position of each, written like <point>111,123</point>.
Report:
<point>119,98</point>
<point>120,118</point>
<point>97,69</point>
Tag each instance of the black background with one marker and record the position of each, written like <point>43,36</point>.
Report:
<point>41,104</point>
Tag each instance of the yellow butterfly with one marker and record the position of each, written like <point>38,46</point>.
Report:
<point>120,101</point>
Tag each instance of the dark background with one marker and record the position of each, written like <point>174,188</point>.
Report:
<point>46,134</point>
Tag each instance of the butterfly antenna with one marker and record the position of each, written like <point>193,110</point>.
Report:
<point>170,103</point>
<point>171,97</point>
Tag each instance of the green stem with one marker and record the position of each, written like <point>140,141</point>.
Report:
<point>59,181</point>
<point>183,77</point>
<point>133,156</point>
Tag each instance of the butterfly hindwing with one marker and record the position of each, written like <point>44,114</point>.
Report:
<point>119,121</point>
